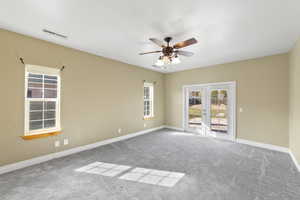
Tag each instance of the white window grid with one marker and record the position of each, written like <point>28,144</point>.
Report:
<point>42,99</point>
<point>148,100</point>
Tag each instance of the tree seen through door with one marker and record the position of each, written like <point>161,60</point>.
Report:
<point>219,111</point>
<point>195,109</point>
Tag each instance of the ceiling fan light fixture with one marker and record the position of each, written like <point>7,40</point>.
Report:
<point>176,60</point>
<point>159,62</point>
<point>166,60</point>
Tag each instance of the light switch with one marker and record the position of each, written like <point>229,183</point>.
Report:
<point>241,110</point>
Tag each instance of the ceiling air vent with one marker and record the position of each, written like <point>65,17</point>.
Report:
<point>55,34</point>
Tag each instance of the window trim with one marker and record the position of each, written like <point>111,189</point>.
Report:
<point>151,99</point>
<point>45,131</point>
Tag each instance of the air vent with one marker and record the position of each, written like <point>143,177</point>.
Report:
<point>55,34</point>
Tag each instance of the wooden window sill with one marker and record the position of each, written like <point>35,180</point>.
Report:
<point>148,118</point>
<point>42,135</point>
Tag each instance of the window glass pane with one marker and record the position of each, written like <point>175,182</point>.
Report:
<point>35,75</point>
<point>50,105</point>
<point>50,77</point>
<point>36,105</point>
<point>34,125</point>
<point>50,93</point>
<point>34,93</point>
<point>35,85</point>
<point>35,80</point>
<point>49,123</point>
<point>36,115</point>
<point>50,86</point>
<point>50,81</point>
<point>146,93</point>
<point>49,114</point>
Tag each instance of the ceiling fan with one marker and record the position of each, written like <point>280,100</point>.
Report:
<point>170,53</point>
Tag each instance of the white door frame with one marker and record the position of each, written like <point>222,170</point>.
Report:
<point>232,84</point>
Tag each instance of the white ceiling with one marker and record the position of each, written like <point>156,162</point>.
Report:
<point>227,30</point>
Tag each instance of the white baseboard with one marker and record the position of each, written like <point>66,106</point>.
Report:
<point>257,144</point>
<point>41,159</point>
<point>295,160</point>
<point>174,128</point>
<point>262,145</point>
<point>38,160</point>
<point>248,142</point>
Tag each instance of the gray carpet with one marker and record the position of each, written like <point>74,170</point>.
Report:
<point>215,170</point>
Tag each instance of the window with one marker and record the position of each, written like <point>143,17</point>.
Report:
<point>42,100</point>
<point>148,100</point>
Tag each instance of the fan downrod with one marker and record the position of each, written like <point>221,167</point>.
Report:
<point>168,39</point>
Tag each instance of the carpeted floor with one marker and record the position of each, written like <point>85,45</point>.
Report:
<point>213,170</point>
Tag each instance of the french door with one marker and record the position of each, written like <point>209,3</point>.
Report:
<point>209,110</point>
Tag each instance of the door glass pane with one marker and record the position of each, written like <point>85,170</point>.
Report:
<point>219,111</point>
<point>195,109</point>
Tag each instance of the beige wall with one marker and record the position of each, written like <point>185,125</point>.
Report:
<point>262,92</point>
<point>295,101</point>
<point>98,97</point>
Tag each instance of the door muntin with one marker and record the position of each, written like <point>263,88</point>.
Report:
<point>209,110</point>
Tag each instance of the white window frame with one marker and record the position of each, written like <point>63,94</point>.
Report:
<point>43,71</point>
<point>151,100</point>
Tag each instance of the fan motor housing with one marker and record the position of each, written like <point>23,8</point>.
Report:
<point>168,51</point>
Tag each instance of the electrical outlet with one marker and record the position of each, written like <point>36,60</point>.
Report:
<point>119,130</point>
<point>145,125</point>
<point>66,141</point>
<point>56,143</point>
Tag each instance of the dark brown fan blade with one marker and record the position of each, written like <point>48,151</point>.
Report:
<point>158,42</point>
<point>184,53</point>
<point>150,52</point>
<point>185,43</point>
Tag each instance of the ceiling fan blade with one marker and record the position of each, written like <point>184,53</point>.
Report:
<point>185,53</point>
<point>158,42</point>
<point>150,52</point>
<point>185,43</point>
